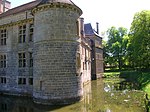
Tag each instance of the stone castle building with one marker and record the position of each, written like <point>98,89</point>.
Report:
<point>47,52</point>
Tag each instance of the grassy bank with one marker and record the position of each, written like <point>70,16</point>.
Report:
<point>111,74</point>
<point>142,78</point>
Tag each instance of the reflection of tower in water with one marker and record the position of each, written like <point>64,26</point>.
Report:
<point>87,97</point>
<point>23,104</point>
<point>15,104</point>
<point>98,97</point>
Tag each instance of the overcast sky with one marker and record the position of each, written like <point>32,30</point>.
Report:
<point>107,12</point>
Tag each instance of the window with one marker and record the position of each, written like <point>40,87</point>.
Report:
<point>98,56</point>
<point>78,61</point>
<point>41,84</point>
<point>3,80</point>
<point>83,65</point>
<point>22,34</point>
<point>31,27</point>
<point>22,59</point>
<point>77,25</point>
<point>2,61</point>
<point>30,81</point>
<point>3,37</point>
<point>22,81</point>
<point>31,59</point>
<point>4,107</point>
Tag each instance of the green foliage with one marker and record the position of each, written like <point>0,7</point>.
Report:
<point>133,49</point>
<point>139,46</point>
<point>142,78</point>
<point>116,47</point>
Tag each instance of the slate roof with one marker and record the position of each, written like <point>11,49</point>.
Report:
<point>88,29</point>
<point>31,5</point>
<point>20,8</point>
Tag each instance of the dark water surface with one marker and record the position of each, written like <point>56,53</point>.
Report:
<point>109,95</point>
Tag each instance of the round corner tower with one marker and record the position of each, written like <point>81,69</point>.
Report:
<point>56,80</point>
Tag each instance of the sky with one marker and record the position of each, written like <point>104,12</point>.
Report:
<point>107,13</point>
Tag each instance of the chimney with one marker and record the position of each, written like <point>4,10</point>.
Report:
<point>4,5</point>
<point>4,1</point>
<point>97,27</point>
<point>81,27</point>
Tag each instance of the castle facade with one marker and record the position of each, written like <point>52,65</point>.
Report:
<point>47,52</point>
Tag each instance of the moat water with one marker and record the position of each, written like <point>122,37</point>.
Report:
<point>107,95</point>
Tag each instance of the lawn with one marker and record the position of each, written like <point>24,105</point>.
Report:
<point>111,74</point>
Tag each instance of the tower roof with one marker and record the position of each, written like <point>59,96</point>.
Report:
<point>88,29</point>
<point>68,3</point>
<point>56,1</point>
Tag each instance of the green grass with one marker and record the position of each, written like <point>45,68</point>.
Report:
<point>111,74</point>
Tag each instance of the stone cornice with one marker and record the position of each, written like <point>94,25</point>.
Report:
<point>17,23</point>
<point>86,44</point>
<point>57,41</point>
<point>56,5</point>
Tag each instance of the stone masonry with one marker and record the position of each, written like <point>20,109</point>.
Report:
<point>42,52</point>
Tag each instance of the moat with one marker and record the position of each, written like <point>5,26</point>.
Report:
<point>108,95</point>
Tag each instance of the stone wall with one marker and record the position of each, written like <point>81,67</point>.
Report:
<point>96,56</point>
<point>12,72</point>
<point>99,62</point>
<point>57,55</point>
<point>55,48</point>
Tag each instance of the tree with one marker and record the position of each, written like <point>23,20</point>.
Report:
<point>139,48</point>
<point>116,46</point>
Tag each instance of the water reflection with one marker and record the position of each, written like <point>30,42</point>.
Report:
<point>99,96</point>
<point>119,85</point>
